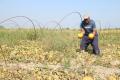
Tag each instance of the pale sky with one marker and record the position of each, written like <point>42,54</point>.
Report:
<point>106,11</point>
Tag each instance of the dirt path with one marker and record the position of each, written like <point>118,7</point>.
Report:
<point>99,70</point>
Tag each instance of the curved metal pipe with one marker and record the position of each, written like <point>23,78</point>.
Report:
<point>58,24</point>
<point>22,17</point>
<point>17,17</point>
<point>71,14</point>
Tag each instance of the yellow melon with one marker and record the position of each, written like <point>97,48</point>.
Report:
<point>91,36</point>
<point>88,78</point>
<point>80,35</point>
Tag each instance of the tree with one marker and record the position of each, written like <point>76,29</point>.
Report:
<point>2,27</point>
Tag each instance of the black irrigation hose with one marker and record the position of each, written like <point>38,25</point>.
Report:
<point>69,14</point>
<point>39,24</point>
<point>58,24</point>
<point>17,17</point>
<point>35,33</point>
<point>15,23</point>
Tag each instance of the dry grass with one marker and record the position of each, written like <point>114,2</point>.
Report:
<point>53,56</point>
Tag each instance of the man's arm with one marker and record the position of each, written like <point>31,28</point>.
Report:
<point>94,28</point>
<point>81,28</point>
<point>82,31</point>
<point>94,31</point>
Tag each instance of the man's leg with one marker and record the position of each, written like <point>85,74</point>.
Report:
<point>96,49</point>
<point>84,43</point>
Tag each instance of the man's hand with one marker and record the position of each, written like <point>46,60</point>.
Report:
<point>80,35</point>
<point>92,35</point>
<point>94,31</point>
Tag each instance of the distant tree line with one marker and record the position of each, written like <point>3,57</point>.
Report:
<point>2,27</point>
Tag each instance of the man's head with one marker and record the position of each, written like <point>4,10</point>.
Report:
<point>86,19</point>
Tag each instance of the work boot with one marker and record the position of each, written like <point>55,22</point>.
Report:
<point>82,51</point>
<point>97,53</point>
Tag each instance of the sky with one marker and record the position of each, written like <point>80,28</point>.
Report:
<point>106,12</point>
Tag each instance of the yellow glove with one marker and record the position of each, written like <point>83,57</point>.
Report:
<point>91,36</point>
<point>80,35</point>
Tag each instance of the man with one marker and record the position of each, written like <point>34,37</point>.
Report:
<point>87,27</point>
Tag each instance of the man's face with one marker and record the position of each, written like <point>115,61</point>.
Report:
<point>87,20</point>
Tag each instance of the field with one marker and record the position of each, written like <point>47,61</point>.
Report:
<point>47,54</point>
